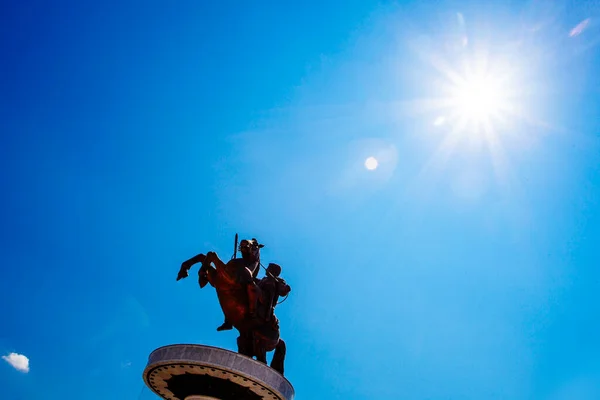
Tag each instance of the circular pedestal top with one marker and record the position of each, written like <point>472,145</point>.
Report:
<point>196,372</point>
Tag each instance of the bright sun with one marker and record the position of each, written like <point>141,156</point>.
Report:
<point>478,98</point>
<point>478,102</point>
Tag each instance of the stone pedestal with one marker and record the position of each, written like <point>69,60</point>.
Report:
<point>195,372</point>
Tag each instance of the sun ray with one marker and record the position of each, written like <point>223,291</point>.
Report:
<point>476,103</point>
<point>497,155</point>
<point>442,154</point>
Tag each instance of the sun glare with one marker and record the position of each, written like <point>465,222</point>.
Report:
<point>476,105</point>
<point>478,98</point>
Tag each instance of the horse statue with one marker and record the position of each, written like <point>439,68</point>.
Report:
<point>245,306</point>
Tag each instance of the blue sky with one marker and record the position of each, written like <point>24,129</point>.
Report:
<point>133,136</point>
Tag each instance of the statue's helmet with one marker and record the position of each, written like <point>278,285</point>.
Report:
<point>274,269</point>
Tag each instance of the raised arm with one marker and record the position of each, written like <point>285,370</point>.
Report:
<point>283,288</point>
<point>186,265</point>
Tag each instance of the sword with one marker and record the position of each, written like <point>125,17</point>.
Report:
<point>235,247</point>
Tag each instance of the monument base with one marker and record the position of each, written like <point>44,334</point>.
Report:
<point>196,372</point>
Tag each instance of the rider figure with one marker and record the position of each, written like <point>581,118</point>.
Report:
<point>271,287</point>
<point>248,271</point>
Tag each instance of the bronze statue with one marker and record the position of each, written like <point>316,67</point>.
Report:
<point>246,301</point>
<point>254,268</point>
<point>271,287</point>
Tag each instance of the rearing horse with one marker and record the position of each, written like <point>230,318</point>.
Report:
<point>239,297</point>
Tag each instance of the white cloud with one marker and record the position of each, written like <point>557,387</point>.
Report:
<point>18,361</point>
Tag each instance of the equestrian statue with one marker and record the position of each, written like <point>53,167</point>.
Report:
<point>247,302</point>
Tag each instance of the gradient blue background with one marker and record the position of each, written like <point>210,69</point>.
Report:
<point>135,135</point>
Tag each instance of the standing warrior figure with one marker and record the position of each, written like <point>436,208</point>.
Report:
<point>271,287</point>
<point>267,328</point>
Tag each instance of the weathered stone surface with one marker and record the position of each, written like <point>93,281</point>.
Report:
<point>187,371</point>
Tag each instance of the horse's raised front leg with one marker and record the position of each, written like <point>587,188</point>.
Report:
<point>212,257</point>
<point>279,357</point>
<point>207,273</point>
<point>187,264</point>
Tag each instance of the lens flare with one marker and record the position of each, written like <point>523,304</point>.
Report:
<point>371,163</point>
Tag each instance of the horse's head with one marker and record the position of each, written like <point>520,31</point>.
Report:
<point>250,249</point>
